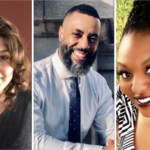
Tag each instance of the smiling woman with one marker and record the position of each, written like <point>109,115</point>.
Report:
<point>133,92</point>
<point>15,97</point>
<point>6,71</point>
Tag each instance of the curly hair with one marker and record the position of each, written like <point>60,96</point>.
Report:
<point>139,18</point>
<point>18,61</point>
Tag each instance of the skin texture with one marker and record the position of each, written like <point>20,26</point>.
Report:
<point>80,31</point>
<point>6,71</point>
<point>134,58</point>
<point>134,61</point>
<point>110,145</point>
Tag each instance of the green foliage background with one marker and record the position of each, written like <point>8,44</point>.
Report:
<point>123,9</point>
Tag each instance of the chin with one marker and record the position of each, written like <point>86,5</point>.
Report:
<point>145,111</point>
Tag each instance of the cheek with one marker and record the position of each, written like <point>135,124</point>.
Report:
<point>7,73</point>
<point>71,41</point>
<point>125,87</point>
<point>94,48</point>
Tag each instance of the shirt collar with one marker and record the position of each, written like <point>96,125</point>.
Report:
<point>60,68</point>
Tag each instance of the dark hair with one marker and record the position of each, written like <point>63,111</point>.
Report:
<point>84,9</point>
<point>139,18</point>
<point>18,60</point>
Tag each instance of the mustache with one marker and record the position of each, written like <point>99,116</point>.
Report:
<point>82,67</point>
<point>79,49</point>
<point>72,48</point>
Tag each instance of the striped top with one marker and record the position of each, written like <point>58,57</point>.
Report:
<point>125,116</point>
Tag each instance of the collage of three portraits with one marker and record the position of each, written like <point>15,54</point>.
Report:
<point>75,74</point>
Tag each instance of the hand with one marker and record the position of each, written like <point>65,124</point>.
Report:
<point>110,145</point>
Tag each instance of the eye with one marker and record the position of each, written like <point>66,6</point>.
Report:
<point>93,40</point>
<point>78,35</point>
<point>148,69</point>
<point>124,74</point>
<point>4,57</point>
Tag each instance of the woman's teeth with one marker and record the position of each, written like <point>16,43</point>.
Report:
<point>145,100</point>
<point>79,54</point>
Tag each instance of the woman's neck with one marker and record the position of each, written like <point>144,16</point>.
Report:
<point>144,121</point>
<point>141,132</point>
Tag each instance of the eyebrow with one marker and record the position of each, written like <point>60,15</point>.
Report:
<point>92,34</point>
<point>4,51</point>
<point>78,30</point>
<point>119,63</point>
<point>147,60</point>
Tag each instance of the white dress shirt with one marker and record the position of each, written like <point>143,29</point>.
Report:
<point>51,106</point>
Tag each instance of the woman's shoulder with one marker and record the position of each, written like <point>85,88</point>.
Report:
<point>17,121</point>
<point>123,105</point>
<point>25,94</point>
<point>24,98</point>
<point>120,97</point>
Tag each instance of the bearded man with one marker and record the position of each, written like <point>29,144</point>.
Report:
<point>69,96</point>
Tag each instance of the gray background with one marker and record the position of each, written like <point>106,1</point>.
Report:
<point>48,16</point>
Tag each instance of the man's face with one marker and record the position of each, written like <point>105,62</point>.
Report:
<point>79,38</point>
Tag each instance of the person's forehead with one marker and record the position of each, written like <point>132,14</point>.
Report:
<point>80,20</point>
<point>134,46</point>
<point>77,15</point>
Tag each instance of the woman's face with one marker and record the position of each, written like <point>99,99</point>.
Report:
<point>6,71</point>
<point>134,68</point>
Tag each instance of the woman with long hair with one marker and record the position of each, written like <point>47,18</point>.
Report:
<point>15,97</point>
<point>133,92</point>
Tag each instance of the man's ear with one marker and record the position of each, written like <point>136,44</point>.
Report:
<point>61,33</point>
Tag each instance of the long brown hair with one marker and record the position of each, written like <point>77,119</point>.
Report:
<point>18,60</point>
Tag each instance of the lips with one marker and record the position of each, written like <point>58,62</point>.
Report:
<point>79,55</point>
<point>143,101</point>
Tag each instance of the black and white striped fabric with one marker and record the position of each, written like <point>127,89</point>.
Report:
<point>125,116</point>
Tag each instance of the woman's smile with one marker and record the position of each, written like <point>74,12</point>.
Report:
<point>143,101</point>
<point>134,69</point>
<point>6,71</point>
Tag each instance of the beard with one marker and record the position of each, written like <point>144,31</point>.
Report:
<point>80,67</point>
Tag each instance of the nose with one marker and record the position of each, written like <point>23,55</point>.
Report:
<point>139,85</point>
<point>84,43</point>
